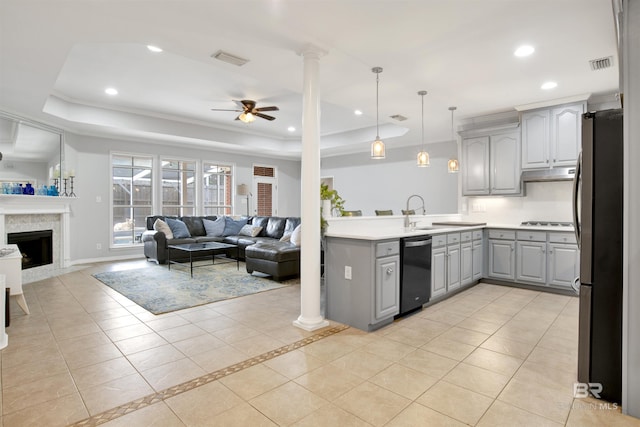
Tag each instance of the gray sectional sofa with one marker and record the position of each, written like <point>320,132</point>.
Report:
<point>264,252</point>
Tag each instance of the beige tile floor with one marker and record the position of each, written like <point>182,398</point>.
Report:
<point>489,356</point>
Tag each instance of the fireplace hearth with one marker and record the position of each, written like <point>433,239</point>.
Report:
<point>36,247</point>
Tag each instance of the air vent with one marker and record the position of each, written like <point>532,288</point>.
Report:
<point>601,63</point>
<point>398,117</point>
<point>229,58</point>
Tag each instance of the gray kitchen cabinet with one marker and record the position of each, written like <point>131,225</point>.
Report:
<point>362,281</point>
<point>531,256</point>
<point>502,258</point>
<point>531,265</point>
<point>387,298</point>
<point>505,163</point>
<point>551,137</point>
<point>453,267</point>
<point>491,164</point>
<point>475,166</point>
<point>477,249</point>
<point>466,263</point>
<point>563,264</point>
<point>438,271</point>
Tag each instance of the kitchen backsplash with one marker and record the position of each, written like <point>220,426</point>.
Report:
<point>551,201</point>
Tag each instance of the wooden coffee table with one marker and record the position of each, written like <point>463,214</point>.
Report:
<point>197,250</point>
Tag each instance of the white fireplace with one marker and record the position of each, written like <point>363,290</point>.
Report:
<point>19,213</point>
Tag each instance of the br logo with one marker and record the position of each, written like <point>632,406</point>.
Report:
<point>582,390</point>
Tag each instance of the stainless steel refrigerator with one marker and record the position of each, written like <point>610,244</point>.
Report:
<point>598,209</point>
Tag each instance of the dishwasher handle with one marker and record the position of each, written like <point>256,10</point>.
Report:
<point>417,243</point>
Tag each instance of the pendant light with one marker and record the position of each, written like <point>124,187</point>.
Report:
<point>453,165</point>
<point>423,156</point>
<point>377,146</point>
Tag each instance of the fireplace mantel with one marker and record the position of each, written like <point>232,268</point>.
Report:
<point>39,205</point>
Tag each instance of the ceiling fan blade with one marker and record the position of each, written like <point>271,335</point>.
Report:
<point>246,104</point>
<point>264,116</point>
<point>272,108</point>
<point>221,109</point>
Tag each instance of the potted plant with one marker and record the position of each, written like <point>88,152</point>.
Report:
<point>331,201</point>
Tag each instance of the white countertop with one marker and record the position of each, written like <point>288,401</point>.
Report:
<point>394,232</point>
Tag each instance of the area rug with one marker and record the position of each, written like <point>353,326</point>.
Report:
<point>159,290</point>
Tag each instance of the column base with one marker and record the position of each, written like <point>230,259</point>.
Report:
<point>310,326</point>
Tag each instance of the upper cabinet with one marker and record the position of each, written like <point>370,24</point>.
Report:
<point>491,164</point>
<point>551,137</point>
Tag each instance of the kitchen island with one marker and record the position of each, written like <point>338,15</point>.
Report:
<point>363,263</point>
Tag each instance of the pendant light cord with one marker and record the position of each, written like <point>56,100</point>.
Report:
<point>422,121</point>
<point>377,88</point>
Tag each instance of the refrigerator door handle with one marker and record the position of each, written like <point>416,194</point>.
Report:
<point>576,285</point>
<point>576,180</point>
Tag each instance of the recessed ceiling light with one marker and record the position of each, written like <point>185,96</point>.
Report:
<point>548,85</point>
<point>357,113</point>
<point>524,50</point>
<point>111,91</point>
<point>155,49</point>
<point>291,129</point>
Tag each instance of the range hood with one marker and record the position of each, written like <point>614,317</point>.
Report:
<point>544,175</point>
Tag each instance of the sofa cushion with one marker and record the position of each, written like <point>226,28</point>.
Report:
<point>273,251</point>
<point>178,228</point>
<point>214,228</point>
<point>194,225</point>
<point>205,239</point>
<point>250,230</point>
<point>183,241</point>
<point>160,225</point>
<point>275,227</point>
<point>295,236</point>
<point>291,225</point>
<point>232,227</point>
<point>260,221</point>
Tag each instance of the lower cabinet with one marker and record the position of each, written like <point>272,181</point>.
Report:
<point>453,267</point>
<point>387,298</point>
<point>563,265</point>
<point>531,265</point>
<point>502,259</point>
<point>477,249</point>
<point>466,263</point>
<point>438,271</point>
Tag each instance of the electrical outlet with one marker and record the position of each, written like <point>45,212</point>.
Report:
<point>347,272</point>
<point>98,246</point>
<point>478,206</point>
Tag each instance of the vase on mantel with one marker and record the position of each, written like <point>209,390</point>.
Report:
<point>326,209</point>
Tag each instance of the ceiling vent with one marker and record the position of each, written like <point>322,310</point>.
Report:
<point>601,63</point>
<point>398,117</point>
<point>229,58</point>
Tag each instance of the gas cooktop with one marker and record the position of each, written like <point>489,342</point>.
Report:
<point>547,224</point>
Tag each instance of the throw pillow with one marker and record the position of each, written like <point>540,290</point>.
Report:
<point>286,238</point>
<point>295,236</point>
<point>214,228</point>
<point>178,228</point>
<point>160,225</point>
<point>250,230</point>
<point>232,227</point>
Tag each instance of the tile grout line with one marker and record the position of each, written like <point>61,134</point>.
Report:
<point>167,393</point>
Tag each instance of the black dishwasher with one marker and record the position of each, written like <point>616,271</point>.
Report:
<point>415,273</point>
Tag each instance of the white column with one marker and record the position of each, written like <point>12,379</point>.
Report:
<point>310,315</point>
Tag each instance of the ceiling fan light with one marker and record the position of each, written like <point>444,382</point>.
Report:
<point>453,165</point>
<point>377,149</point>
<point>423,159</point>
<point>247,117</point>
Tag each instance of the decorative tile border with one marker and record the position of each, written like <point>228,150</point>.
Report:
<point>143,402</point>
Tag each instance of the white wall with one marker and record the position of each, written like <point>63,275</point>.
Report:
<point>368,184</point>
<point>546,201</point>
<point>89,156</point>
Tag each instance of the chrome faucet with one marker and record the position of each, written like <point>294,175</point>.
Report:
<point>406,216</point>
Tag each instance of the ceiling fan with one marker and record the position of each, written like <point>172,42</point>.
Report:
<point>249,112</point>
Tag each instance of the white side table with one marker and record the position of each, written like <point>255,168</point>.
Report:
<point>4,339</point>
<point>11,267</point>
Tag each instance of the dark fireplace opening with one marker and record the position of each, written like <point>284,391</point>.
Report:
<point>36,247</point>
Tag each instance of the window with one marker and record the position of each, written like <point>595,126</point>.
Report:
<point>178,187</point>
<point>131,182</point>
<point>217,188</point>
<point>265,186</point>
